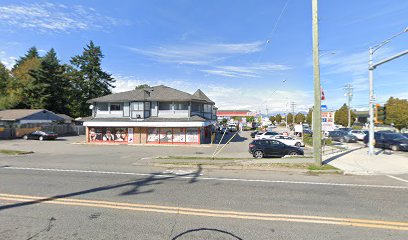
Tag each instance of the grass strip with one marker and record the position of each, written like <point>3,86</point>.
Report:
<point>14,152</point>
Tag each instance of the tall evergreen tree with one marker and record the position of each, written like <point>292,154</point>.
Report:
<point>4,78</point>
<point>341,116</point>
<point>49,86</point>
<point>31,53</point>
<point>90,78</point>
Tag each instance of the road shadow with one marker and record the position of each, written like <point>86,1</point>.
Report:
<point>235,138</point>
<point>152,179</point>
<point>340,155</point>
<point>221,233</point>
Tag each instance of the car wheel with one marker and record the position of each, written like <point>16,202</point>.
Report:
<point>298,144</point>
<point>41,138</point>
<point>342,140</point>
<point>25,137</point>
<point>394,148</point>
<point>258,154</point>
<point>293,153</point>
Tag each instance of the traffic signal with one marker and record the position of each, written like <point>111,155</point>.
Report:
<point>380,113</point>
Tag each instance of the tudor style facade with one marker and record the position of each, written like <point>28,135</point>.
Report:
<point>155,115</point>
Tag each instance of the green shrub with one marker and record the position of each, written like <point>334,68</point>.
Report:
<point>357,127</point>
<point>308,140</point>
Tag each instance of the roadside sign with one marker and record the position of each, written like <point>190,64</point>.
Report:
<point>324,107</point>
<point>328,121</point>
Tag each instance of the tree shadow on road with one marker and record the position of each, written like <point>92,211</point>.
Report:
<point>152,179</point>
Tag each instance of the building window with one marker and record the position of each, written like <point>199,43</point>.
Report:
<point>207,108</point>
<point>181,106</point>
<point>116,107</point>
<point>137,106</point>
<point>147,105</point>
<point>164,106</point>
<point>196,107</point>
<point>102,107</point>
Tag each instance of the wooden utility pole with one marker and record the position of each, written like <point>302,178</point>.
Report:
<point>317,118</point>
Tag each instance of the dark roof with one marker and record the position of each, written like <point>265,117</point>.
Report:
<point>157,93</point>
<point>64,116</point>
<point>16,114</point>
<point>151,119</point>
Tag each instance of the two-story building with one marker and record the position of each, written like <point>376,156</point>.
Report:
<point>155,115</point>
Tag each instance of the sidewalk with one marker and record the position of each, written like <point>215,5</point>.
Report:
<point>357,161</point>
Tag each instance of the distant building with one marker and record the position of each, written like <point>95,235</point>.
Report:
<point>22,116</point>
<point>154,115</point>
<point>234,113</point>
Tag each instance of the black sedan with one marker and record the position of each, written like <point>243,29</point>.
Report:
<point>393,141</point>
<point>273,148</point>
<point>41,135</point>
<point>342,136</point>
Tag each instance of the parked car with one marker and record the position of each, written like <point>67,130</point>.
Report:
<point>342,136</point>
<point>405,134</point>
<point>224,129</point>
<point>274,148</point>
<point>232,127</point>
<point>289,141</point>
<point>253,134</point>
<point>360,134</point>
<point>41,135</point>
<point>386,140</point>
<point>307,131</point>
<point>266,135</point>
<point>345,129</point>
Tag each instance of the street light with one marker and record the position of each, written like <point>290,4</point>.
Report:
<point>371,67</point>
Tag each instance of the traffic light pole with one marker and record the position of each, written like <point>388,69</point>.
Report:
<point>371,67</point>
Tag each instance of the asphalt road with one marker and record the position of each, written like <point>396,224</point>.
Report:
<point>67,191</point>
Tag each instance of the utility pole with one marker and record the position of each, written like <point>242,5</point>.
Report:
<point>349,93</point>
<point>267,111</point>
<point>292,106</point>
<point>317,117</point>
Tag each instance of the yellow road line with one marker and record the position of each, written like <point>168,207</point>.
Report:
<point>213,213</point>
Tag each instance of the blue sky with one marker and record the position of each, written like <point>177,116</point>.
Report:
<point>242,54</point>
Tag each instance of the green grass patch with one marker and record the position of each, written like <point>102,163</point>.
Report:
<point>14,152</point>
<point>314,167</point>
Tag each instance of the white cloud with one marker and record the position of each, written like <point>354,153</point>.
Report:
<point>252,70</point>
<point>225,97</point>
<point>198,54</point>
<point>52,17</point>
<point>8,61</point>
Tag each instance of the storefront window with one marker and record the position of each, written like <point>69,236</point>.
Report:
<point>179,135</point>
<point>192,135</point>
<point>153,135</point>
<point>166,135</point>
<point>108,135</point>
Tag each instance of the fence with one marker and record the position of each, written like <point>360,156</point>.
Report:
<point>19,130</point>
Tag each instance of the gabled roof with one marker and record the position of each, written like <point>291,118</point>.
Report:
<point>16,114</point>
<point>64,116</point>
<point>199,94</point>
<point>157,93</point>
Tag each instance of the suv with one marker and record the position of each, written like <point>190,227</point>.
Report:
<point>273,148</point>
<point>386,140</point>
<point>342,136</point>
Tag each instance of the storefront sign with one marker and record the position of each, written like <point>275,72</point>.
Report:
<point>328,121</point>
<point>108,135</point>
